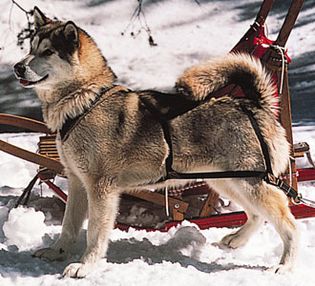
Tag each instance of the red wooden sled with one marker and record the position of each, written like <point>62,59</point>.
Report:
<point>255,42</point>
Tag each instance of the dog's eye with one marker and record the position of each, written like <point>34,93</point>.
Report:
<point>47,53</point>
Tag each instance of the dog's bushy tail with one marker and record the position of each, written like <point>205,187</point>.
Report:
<point>200,81</point>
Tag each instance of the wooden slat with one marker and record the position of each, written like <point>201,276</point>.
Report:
<point>31,157</point>
<point>286,122</point>
<point>264,11</point>
<point>244,44</point>
<point>23,122</point>
<point>47,143</point>
<point>294,10</point>
<point>210,203</point>
<point>176,206</point>
<point>50,150</point>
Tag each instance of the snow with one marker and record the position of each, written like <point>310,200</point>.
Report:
<point>19,232</point>
<point>17,174</point>
<point>186,34</point>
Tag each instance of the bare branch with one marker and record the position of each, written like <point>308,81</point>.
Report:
<point>139,15</point>
<point>18,5</point>
<point>27,32</point>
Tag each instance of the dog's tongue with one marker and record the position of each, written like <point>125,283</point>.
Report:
<point>24,81</point>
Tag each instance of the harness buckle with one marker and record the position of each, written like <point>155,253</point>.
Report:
<point>297,200</point>
<point>271,179</point>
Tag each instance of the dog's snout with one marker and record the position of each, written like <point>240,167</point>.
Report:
<point>19,69</point>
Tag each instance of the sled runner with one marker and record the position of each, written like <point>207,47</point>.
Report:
<point>195,202</point>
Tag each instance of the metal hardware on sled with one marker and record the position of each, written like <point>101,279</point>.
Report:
<point>301,149</point>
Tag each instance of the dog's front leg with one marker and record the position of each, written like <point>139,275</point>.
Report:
<point>75,214</point>
<point>103,204</point>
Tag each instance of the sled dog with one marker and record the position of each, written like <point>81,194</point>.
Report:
<point>110,142</point>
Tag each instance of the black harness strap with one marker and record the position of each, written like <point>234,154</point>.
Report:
<point>70,123</point>
<point>215,175</point>
<point>171,174</point>
<point>270,178</point>
<point>167,136</point>
<point>286,188</point>
<point>263,144</point>
<point>68,126</point>
<point>266,175</point>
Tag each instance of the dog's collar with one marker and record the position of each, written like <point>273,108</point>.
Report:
<point>70,123</point>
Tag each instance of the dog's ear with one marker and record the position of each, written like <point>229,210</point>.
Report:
<point>71,33</point>
<point>39,18</point>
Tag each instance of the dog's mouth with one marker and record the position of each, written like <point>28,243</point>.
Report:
<point>26,82</point>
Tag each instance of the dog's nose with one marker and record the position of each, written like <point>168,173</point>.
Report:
<point>19,69</point>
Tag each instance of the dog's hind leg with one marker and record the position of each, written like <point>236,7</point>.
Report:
<point>241,236</point>
<point>103,202</point>
<point>261,200</point>
<point>74,216</point>
<point>274,206</point>
<point>238,192</point>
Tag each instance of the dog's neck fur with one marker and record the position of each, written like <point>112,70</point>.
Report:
<point>70,105</point>
<point>73,97</point>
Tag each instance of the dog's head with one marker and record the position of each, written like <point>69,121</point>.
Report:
<point>52,53</point>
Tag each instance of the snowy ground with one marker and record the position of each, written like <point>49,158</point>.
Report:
<point>137,257</point>
<point>185,35</point>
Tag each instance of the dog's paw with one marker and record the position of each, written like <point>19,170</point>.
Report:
<point>233,241</point>
<point>51,254</point>
<point>77,270</point>
<point>281,269</point>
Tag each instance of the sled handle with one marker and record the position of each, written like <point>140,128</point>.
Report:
<point>264,11</point>
<point>294,10</point>
<point>23,122</point>
<point>33,125</point>
<point>252,31</point>
<point>31,157</point>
